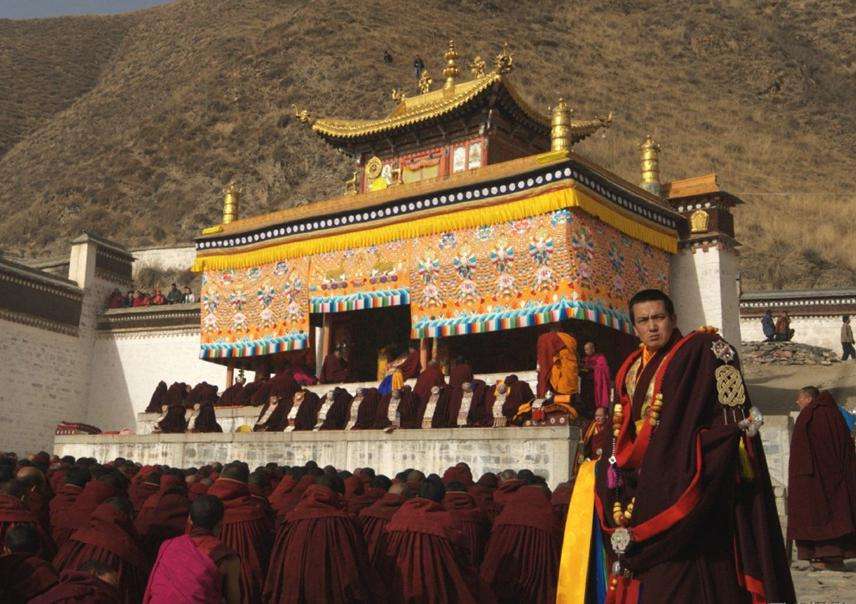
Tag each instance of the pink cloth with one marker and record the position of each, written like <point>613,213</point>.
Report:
<point>182,573</point>
<point>599,368</point>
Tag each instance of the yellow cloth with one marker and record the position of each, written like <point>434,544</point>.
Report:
<point>397,380</point>
<point>565,373</point>
<point>576,545</point>
<point>382,365</point>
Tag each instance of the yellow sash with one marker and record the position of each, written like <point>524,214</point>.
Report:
<point>576,545</point>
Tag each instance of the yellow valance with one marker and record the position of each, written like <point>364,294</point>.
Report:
<point>526,207</point>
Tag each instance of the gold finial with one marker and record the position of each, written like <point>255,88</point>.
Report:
<point>503,61</point>
<point>450,72</point>
<point>230,202</point>
<point>651,166</point>
<point>302,115</point>
<point>398,95</point>
<point>560,131</point>
<point>425,82</point>
<point>477,67</point>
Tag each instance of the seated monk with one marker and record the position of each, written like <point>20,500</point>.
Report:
<point>233,393</point>
<point>273,417</point>
<point>158,398</point>
<point>75,479</point>
<point>391,407</point>
<point>521,562</point>
<point>319,534</point>
<point>173,420</point>
<point>362,411</point>
<point>482,492</point>
<point>204,419</point>
<point>558,365</point>
<point>373,519</point>
<point>145,483</point>
<point>37,494</point>
<point>285,500</point>
<point>258,392</point>
<point>403,368</point>
<point>245,527</point>
<point>13,511</point>
<point>333,414</point>
<point>464,404</point>
<point>461,373</point>
<point>204,568</point>
<point>109,537</point>
<point>502,402</point>
<point>334,370</point>
<point>561,500</point>
<point>94,582</point>
<point>307,411</point>
<point>109,484</point>
<point>430,377</point>
<point>425,558</point>
<point>164,514</point>
<point>472,521</point>
<point>23,573</point>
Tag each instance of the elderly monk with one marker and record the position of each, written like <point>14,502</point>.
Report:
<point>164,514</point>
<point>109,537</point>
<point>684,503</point>
<point>597,370</point>
<point>109,484</point>
<point>558,367</point>
<point>335,370</point>
<point>75,479</point>
<point>95,582</point>
<point>425,558</point>
<point>318,534</point>
<point>373,519</point>
<point>23,574</point>
<point>13,511</point>
<point>245,527</point>
<point>196,567</point>
<point>522,556</point>
<point>822,483</point>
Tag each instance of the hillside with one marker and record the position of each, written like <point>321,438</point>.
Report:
<point>131,125</point>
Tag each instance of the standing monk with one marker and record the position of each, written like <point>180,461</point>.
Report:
<point>822,483</point>
<point>558,366</point>
<point>598,369</point>
<point>683,499</point>
<point>335,367</point>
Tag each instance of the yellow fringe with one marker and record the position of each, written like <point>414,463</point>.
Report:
<point>433,225</point>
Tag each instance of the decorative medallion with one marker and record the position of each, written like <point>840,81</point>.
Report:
<point>729,386</point>
<point>723,351</point>
<point>374,167</point>
<point>620,540</point>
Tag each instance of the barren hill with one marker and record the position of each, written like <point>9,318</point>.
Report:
<point>131,125</point>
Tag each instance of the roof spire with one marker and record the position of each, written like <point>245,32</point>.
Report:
<point>230,203</point>
<point>503,61</point>
<point>651,166</point>
<point>560,127</point>
<point>451,69</point>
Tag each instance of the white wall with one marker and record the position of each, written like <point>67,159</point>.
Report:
<point>127,367</point>
<point>704,289</point>
<point>43,384</point>
<point>816,331</point>
<point>180,258</point>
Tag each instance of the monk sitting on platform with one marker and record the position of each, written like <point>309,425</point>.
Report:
<point>158,398</point>
<point>558,366</point>
<point>234,394</point>
<point>172,421</point>
<point>23,573</point>
<point>307,411</point>
<point>197,567</point>
<point>403,368</point>
<point>318,534</point>
<point>204,419</point>
<point>461,373</point>
<point>245,527</point>
<point>597,437</point>
<point>335,367</point>
<point>464,404</point>
<point>362,411</point>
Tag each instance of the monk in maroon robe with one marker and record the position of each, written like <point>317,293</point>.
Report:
<point>13,511</point>
<point>307,413</point>
<point>144,484</point>
<point>109,537</point>
<point>75,479</point>
<point>158,398</point>
<point>598,374</point>
<point>522,558</point>
<point>597,437</point>
<point>461,373</point>
<point>822,483</point>
<point>406,404</point>
<point>334,370</point>
<point>176,394</point>
<point>482,492</point>
<point>174,420</point>
<point>234,394</point>
<point>560,500</point>
<point>94,583</point>
<point>23,573</point>
<point>373,519</point>
<point>164,514</point>
<point>425,558</point>
<point>245,528</point>
<point>472,521</point>
<point>687,509</point>
<point>367,410</point>
<point>430,377</point>
<point>37,493</point>
<point>319,534</point>
<point>338,412</point>
<point>204,420</point>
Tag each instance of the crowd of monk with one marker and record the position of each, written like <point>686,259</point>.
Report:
<point>434,401</point>
<point>77,531</point>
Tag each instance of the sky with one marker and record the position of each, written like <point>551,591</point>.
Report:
<point>30,9</point>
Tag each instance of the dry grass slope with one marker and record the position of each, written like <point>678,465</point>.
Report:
<point>135,130</point>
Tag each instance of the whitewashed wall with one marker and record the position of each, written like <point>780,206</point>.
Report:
<point>180,258</point>
<point>815,331</point>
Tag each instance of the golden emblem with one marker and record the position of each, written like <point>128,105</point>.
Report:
<point>374,167</point>
<point>477,67</point>
<point>729,386</point>
<point>699,221</point>
<point>425,82</point>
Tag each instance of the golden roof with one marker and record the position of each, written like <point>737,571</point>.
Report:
<point>439,103</point>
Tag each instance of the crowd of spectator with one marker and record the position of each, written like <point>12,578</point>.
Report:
<point>136,298</point>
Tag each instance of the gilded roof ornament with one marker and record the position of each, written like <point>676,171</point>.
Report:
<point>302,114</point>
<point>450,72</point>
<point>398,95</point>
<point>504,62</point>
<point>477,67</point>
<point>425,82</point>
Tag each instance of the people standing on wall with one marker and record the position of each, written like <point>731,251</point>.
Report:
<point>847,349</point>
<point>768,325</point>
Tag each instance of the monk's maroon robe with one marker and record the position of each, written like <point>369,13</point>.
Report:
<point>59,506</point>
<point>425,558</point>
<point>320,555</point>
<point>163,515</point>
<point>206,420</point>
<point>373,519</point>
<point>430,377</point>
<point>472,522</point>
<point>560,500</point>
<point>702,531</point>
<point>367,412</point>
<point>109,537</point>
<point>158,398</point>
<point>334,370</point>
<point>12,512</point>
<point>406,409</point>
<point>522,557</point>
<point>75,587</point>
<point>822,483</point>
<point>339,412</point>
<point>460,373</point>
<point>23,577</point>
<point>246,530</point>
<point>307,414</point>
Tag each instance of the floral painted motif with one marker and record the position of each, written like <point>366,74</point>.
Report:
<point>541,248</point>
<point>237,299</point>
<point>280,269</point>
<point>505,284</point>
<point>484,233</point>
<point>254,273</point>
<point>209,322</point>
<point>465,263</point>
<point>583,244</point>
<point>544,278</point>
<point>447,240</point>
<point>239,321</point>
<point>521,227</point>
<point>266,317</point>
<point>428,268</point>
<point>616,258</point>
<point>431,295</point>
<point>502,256</point>
<point>562,216</point>
<point>467,290</point>
<point>210,301</point>
<point>266,294</point>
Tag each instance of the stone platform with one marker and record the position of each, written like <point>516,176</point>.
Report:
<point>547,451</point>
